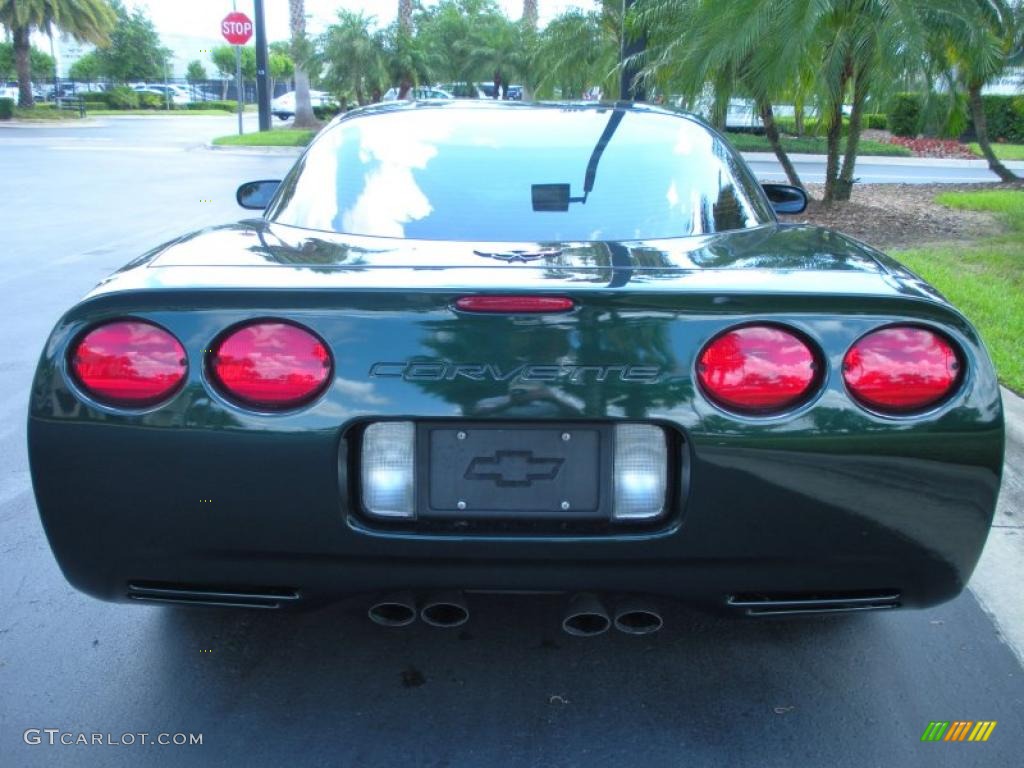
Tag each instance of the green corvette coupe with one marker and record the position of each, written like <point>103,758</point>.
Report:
<point>471,348</point>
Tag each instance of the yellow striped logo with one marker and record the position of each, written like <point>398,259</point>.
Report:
<point>958,730</point>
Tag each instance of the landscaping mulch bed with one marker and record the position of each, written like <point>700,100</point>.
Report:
<point>892,216</point>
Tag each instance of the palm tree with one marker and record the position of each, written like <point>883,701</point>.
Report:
<point>352,57</point>
<point>853,47</point>
<point>691,46</point>
<point>85,20</point>
<point>304,117</point>
<point>974,48</point>
<point>579,50</point>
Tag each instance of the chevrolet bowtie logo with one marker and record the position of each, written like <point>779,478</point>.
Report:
<point>513,468</point>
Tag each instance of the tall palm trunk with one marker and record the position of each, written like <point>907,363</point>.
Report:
<point>771,132</point>
<point>405,80</point>
<point>405,16</point>
<point>834,136</point>
<point>981,130</point>
<point>23,65</point>
<point>844,185</point>
<point>304,117</point>
<point>530,13</point>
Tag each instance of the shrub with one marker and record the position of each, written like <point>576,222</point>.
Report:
<point>905,114</point>
<point>876,121</point>
<point>326,113</point>
<point>122,97</point>
<point>228,105</point>
<point>6,108</point>
<point>152,101</point>
<point>1005,118</point>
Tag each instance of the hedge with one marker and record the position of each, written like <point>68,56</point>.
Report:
<point>1005,118</point>
<point>6,108</point>
<point>326,113</point>
<point>905,114</point>
<point>228,105</point>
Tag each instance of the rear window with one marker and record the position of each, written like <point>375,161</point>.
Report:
<point>512,174</point>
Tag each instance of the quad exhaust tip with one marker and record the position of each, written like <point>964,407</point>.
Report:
<point>445,609</point>
<point>397,609</point>
<point>637,616</point>
<point>586,616</point>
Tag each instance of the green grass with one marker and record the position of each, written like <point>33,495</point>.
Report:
<point>984,279</point>
<point>161,112</point>
<point>811,145</point>
<point>281,137</point>
<point>1003,151</point>
<point>44,113</point>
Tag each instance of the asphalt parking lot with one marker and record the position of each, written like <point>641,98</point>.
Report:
<point>509,689</point>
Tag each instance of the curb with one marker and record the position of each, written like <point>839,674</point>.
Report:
<point>911,162</point>
<point>87,122</point>
<point>281,151</point>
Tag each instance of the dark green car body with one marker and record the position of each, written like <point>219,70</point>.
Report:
<point>827,501</point>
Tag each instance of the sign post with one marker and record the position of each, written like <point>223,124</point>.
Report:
<point>237,29</point>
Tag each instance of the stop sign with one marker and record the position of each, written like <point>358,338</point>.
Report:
<point>236,28</point>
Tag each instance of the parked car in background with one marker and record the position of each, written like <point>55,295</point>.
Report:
<point>515,93</point>
<point>283,107</point>
<point>418,94</point>
<point>464,90</point>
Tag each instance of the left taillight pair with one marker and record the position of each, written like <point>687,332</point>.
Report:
<point>266,364</point>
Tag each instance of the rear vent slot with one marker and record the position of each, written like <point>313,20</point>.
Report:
<point>756,604</point>
<point>182,594</point>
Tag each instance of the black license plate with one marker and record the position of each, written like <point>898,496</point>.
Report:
<point>472,471</point>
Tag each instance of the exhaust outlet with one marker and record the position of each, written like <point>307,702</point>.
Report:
<point>637,616</point>
<point>397,609</point>
<point>585,616</point>
<point>445,609</point>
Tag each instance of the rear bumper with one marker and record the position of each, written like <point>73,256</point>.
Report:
<point>269,512</point>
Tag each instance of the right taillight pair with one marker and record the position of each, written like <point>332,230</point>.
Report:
<point>767,369</point>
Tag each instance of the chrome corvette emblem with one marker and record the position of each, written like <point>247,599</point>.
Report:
<point>442,370</point>
<point>520,256</point>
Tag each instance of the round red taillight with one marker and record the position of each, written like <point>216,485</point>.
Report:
<point>270,365</point>
<point>901,369</point>
<point>129,363</point>
<point>757,369</point>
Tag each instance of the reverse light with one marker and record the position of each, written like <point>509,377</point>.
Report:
<point>901,369</point>
<point>757,369</point>
<point>129,363</point>
<point>388,469</point>
<point>270,365</point>
<point>515,305</point>
<point>641,472</point>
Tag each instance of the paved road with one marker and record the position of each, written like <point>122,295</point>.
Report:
<point>873,170</point>
<point>328,688</point>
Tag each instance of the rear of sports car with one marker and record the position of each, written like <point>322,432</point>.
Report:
<point>629,398</point>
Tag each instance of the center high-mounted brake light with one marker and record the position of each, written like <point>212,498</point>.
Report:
<point>514,305</point>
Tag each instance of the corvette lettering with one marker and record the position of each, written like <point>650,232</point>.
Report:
<point>442,370</point>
